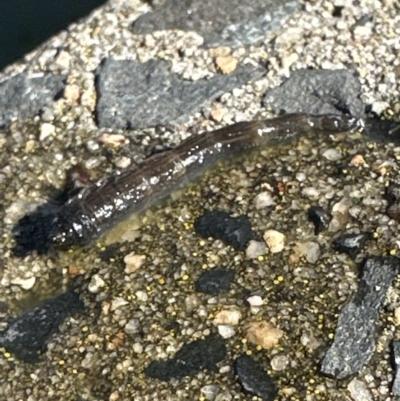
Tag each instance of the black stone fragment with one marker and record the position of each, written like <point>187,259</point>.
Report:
<point>392,195</point>
<point>318,92</point>
<point>136,95</point>
<point>351,243</point>
<point>354,341</point>
<point>382,130</point>
<point>231,23</point>
<point>254,379</point>
<point>27,335</point>
<point>319,217</point>
<point>215,281</point>
<point>233,231</point>
<point>23,97</point>
<point>190,359</point>
<point>396,363</point>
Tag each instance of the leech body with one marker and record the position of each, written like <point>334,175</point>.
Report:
<point>101,206</point>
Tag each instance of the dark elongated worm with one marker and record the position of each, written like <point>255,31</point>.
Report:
<point>100,206</point>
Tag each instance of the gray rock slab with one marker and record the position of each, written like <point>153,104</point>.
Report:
<point>232,23</point>
<point>396,360</point>
<point>23,97</point>
<point>137,95</point>
<point>317,92</point>
<point>354,341</point>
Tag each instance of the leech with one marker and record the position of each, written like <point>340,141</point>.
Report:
<point>102,205</point>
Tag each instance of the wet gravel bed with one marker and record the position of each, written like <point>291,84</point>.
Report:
<point>141,298</point>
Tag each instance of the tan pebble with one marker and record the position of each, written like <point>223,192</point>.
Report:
<point>74,271</point>
<point>218,114</point>
<point>227,317</point>
<point>63,59</point>
<point>113,396</point>
<point>30,146</point>
<point>274,240</point>
<point>220,51</point>
<point>123,162</point>
<point>72,93</point>
<point>105,307</point>
<point>112,140</point>
<point>263,333</point>
<point>133,262</point>
<point>357,161</point>
<point>226,64</point>
<point>397,316</point>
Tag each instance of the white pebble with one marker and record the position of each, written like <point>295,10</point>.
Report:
<point>255,249</point>
<point>279,362</point>
<point>118,302</point>
<point>132,326</point>
<point>96,283</point>
<point>359,391</point>
<point>332,154</point>
<point>255,300</point>
<point>226,331</point>
<point>142,296</point>
<point>46,130</point>
<point>26,283</point>
<point>137,348</point>
<point>263,199</point>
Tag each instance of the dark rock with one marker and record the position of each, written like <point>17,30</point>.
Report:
<point>233,231</point>
<point>22,97</point>
<point>27,335</point>
<point>351,243</point>
<point>354,341</point>
<point>254,378</point>
<point>393,198</point>
<point>190,359</point>
<point>231,23</point>
<point>136,95</point>
<point>382,130</point>
<point>215,281</point>
<point>396,363</point>
<point>318,92</point>
<point>319,217</point>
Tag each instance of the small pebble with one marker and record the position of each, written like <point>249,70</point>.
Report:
<point>210,391</point>
<point>255,249</point>
<point>96,283</point>
<point>46,130</point>
<point>263,333</point>
<point>118,302</point>
<point>255,300</point>
<point>228,316</point>
<point>279,362</point>
<point>226,64</point>
<point>113,141</point>
<point>359,391</point>
<point>274,240</point>
<point>26,283</point>
<point>332,155</point>
<point>133,262</point>
<point>133,326</point>
<point>357,161</point>
<point>263,200</point>
<point>226,331</point>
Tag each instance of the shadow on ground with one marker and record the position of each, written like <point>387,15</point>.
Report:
<point>25,24</point>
